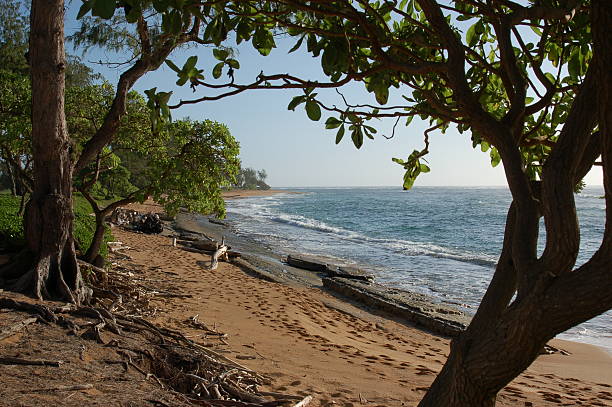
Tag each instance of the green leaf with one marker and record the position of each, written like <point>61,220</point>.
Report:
<point>297,45</point>
<point>220,54</point>
<point>408,181</point>
<point>382,94</point>
<point>332,123</point>
<point>295,102</point>
<point>573,66</point>
<point>313,110</point>
<point>339,134</point>
<point>85,7</point>
<point>424,168</point>
<point>160,5</point>
<point>104,8</point>
<point>190,63</point>
<point>217,70</point>
<point>471,36</point>
<point>173,66</point>
<point>163,98</point>
<point>495,157</point>
<point>183,78</point>
<point>357,137</point>
<point>233,63</point>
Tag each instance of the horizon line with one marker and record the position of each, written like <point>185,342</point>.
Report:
<point>400,186</point>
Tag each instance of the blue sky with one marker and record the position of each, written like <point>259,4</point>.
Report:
<point>297,152</point>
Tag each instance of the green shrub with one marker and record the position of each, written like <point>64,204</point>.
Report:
<point>11,225</point>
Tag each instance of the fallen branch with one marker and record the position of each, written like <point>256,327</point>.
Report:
<point>29,362</point>
<point>221,252</point>
<point>13,329</point>
<point>62,388</point>
<point>304,402</point>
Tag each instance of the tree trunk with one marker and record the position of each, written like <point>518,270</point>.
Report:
<point>48,223</point>
<point>98,238</point>
<point>504,338</point>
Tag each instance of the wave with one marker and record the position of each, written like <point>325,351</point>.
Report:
<point>397,246</point>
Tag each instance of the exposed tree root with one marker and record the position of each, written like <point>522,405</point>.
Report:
<point>204,377</point>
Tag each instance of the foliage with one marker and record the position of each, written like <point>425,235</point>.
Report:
<point>14,31</point>
<point>249,178</point>
<point>190,164</point>
<point>11,224</point>
<point>85,226</point>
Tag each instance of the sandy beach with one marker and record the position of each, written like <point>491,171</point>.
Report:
<point>314,343</point>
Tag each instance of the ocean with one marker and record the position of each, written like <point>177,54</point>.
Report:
<point>441,241</point>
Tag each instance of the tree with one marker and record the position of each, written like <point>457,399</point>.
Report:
<point>189,162</point>
<point>48,218</point>
<point>13,36</point>
<point>249,178</point>
<point>527,98</point>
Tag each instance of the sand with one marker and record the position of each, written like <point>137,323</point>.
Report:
<point>313,343</point>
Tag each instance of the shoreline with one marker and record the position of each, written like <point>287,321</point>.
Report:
<point>266,263</point>
<point>341,348</point>
<point>248,193</point>
<point>347,290</point>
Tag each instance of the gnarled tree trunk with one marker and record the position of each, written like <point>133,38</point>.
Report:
<point>506,335</point>
<point>48,223</point>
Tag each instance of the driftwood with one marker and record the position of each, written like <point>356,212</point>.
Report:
<point>30,362</point>
<point>13,329</point>
<point>205,245</point>
<point>304,402</point>
<point>219,253</point>
<point>231,254</point>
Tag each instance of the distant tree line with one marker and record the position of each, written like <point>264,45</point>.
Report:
<point>249,178</point>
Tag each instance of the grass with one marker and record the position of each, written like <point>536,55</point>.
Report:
<point>11,224</point>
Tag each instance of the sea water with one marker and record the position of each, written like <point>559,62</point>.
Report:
<point>442,241</point>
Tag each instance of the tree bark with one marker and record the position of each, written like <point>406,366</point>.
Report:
<point>48,223</point>
<point>505,337</point>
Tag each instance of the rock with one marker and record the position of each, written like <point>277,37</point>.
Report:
<point>305,263</point>
<point>353,273</point>
<point>148,223</point>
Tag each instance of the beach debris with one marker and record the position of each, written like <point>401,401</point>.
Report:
<point>551,350</point>
<point>147,223</point>
<point>123,216</point>
<point>30,362</point>
<point>13,329</point>
<point>221,252</point>
<point>165,355</point>
<point>305,401</point>
<point>75,387</point>
<point>207,247</point>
